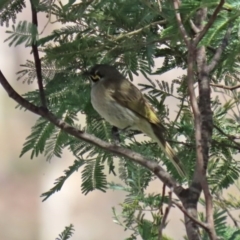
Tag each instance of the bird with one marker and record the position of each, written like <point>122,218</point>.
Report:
<point>124,106</point>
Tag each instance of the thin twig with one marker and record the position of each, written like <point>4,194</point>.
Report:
<point>235,221</point>
<point>225,145</point>
<point>209,24</point>
<point>162,199</point>
<point>179,112</point>
<point>230,137</point>
<point>231,88</point>
<point>165,216</point>
<point>37,58</point>
<point>129,34</point>
<point>223,205</point>
<point>180,24</point>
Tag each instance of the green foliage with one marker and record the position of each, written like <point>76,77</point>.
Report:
<point>67,233</point>
<point>61,180</point>
<point>134,210</point>
<point>9,10</point>
<point>131,35</point>
<point>24,32</point>
<point>232,234</point>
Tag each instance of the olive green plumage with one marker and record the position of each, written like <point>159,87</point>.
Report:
<point>123,105</point>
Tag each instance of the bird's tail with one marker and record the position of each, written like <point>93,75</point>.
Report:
<point>158,136</point>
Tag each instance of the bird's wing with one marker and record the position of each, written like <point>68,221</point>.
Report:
<point>129,96</point>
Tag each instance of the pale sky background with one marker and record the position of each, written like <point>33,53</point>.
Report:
<point>23,216</point>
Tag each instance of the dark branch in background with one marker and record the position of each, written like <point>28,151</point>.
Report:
<point>209,24</point>
<point>37,59</point>
<point>165,216</point>
<point>162,199</point>
<point>120,151</point>
<point>218,54</point>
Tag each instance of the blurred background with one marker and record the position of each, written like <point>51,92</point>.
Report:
<point>23,215</point>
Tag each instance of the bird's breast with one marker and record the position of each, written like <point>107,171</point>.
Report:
<point>111,110</point>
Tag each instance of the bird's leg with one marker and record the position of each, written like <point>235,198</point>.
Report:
<point>115,135</point>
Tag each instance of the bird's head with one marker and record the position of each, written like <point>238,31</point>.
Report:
<point>101,72</point>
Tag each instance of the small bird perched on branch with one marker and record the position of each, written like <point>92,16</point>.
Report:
<point>123,105</point>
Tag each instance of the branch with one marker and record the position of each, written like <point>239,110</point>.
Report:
<point>226,145</point>
<point>195,188</point>
<point>120,151</point>
<point>37,59</point>
<point>179,21</point>
<point>231,88</point>
<point>139,30</point>
<point>209,24</point>
<point>199,223</point>
<point>219,51</point>
<point>194,27</point>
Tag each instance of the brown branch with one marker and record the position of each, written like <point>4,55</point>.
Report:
<point>194,105</point>
<point>37,58</point>
<point>209,24</point>
<point>231,88</point>
<point>180,24</point>
<point>218,54</point>
<point>120,151</point>
<point>162,199</point>
<point>199,223</point>
<point>195,188</point>
<point>165,216</point>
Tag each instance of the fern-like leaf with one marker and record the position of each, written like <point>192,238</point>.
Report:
<point>24,32</point>
<point>93,176</point>
<point>67,233</point>
<point>61,180</point>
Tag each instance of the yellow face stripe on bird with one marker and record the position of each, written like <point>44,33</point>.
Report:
<point>95,78</point>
